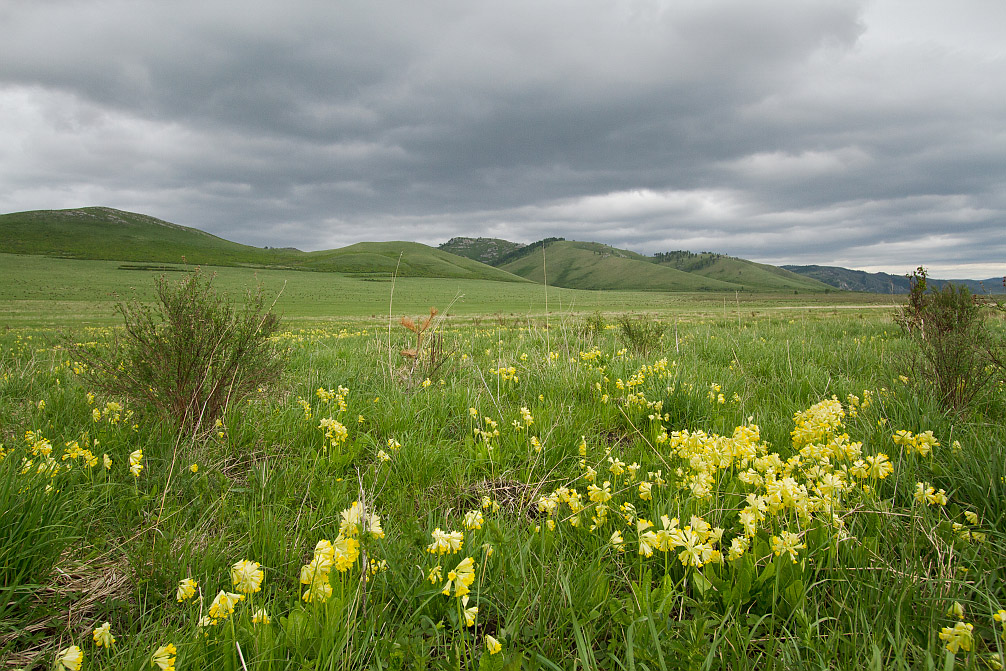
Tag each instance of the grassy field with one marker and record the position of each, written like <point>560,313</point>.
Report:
<point>38,290</point>
<point>732,495</point>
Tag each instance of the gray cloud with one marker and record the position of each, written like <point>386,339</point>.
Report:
<point>794,131</point>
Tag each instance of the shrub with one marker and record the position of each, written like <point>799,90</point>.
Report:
<point>191,353</point>
<point>955,352</point>
<point>640,334</point>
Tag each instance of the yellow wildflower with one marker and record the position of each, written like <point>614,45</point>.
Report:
<point>135,462</point>
<point>469,613</point>
<point>247,576</point>
<point>492,645</point>
<point>788,542</point>
<point>473,520</point>
<point>164,657</point>
<point>460,578</point>
<point>69,659</point>
<point>186,589</point>
<point>223,604</point>
<point>261,616</point>
<point>445,543</point>
<point>959,637</point>
<point>103,636</point>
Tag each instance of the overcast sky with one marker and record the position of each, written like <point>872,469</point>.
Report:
<point>866,134</point>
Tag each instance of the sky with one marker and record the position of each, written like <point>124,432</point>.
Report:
<point>868,134</point>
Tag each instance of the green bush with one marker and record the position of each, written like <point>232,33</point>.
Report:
<point>639,333</point>
<point>191,353</point>
<point>954,351</point>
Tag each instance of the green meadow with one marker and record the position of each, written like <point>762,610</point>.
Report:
<point>756,481</point>
<point>41,290</point>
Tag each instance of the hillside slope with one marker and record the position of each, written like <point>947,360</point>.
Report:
<point>104,233</point>
<point>110,234</point>
<point>748,274</point>
<point>591,265</point>
<point>483,250</point>
<point>417,260</point>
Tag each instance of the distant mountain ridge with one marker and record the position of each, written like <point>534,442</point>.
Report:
<point>885,283</point>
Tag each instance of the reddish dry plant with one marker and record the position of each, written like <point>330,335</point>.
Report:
<point>419,329</point>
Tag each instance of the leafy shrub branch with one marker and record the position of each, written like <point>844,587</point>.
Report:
<point>955,350</point>
<point>190,353</point>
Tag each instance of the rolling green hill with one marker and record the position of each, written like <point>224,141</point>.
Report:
<point>103,233</point>
<point>483,250</point>
<point>591,265</point>
<point>109,234</point>
<point>748,274</point>
<point>417,260</point>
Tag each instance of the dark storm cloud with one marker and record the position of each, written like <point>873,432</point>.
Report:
<point>860,134</point>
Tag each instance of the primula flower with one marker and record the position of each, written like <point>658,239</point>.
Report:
<point>103,636</point>
<point>956,609</point>
<point>788,542</point>
<point>469,613</point>
<point>107,461</point>
<point>445,543</point>
<point>959,637</point>
<point>738,546</point>
<point>460,578</point>
<point>164,657</point>
<point>648,541</point>
<point>473,520</point>
<point>223,604</point>
<point>492,645</point>
<point>261,616</point>
<point>617,541</point>
<point>186,589</point>
<point>436,574</point>
<point>346,552</point>
<point>70,659</point>
<point>645,491</point>
<point>135,462</point>
<point>247,576</point>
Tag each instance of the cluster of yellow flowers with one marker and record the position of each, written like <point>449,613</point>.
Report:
<point>337,395</point>
<point>922,443</point>
<point>335,432</point>
<point>340,554</point>
<point>72,658</point>
<point>506,373</point>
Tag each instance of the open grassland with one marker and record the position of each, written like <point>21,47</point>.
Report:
<point>739,494</point>
<point>38,290</point>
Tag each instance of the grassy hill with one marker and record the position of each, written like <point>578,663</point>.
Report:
<point>417,260</point>
<point>748,274</point>
<point>103,233</point>
<point>109,234</point>
<point>591,265</point>
<point>483,250</point>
